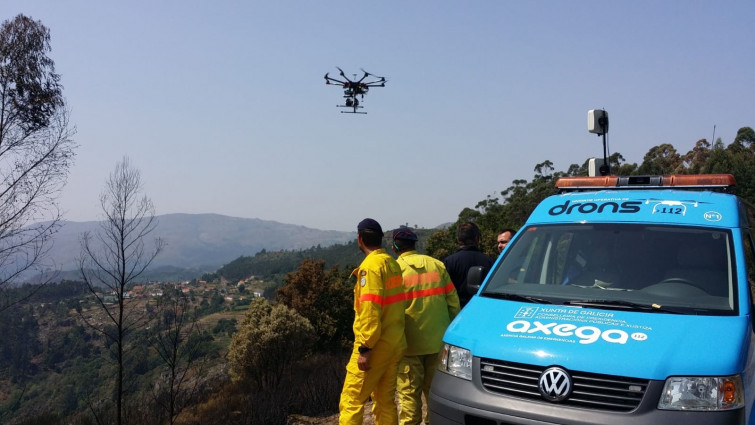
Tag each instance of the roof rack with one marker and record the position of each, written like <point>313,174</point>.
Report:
<point>673,181</point>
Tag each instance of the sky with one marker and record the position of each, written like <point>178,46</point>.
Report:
<point>223,108</point>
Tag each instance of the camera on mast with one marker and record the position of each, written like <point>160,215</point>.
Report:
<point>597,123</point>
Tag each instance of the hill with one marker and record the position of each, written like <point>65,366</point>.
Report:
<point>203,242</point>
<point>273,265</point>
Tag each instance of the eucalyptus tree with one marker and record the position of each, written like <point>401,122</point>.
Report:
<point>662,159</point>
<point>36,148</point>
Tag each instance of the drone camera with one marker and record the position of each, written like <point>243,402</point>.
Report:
<point>597,121</point>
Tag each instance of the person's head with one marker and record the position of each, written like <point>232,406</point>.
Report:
<point>504,238</point>
<point>468,234</point>
<point>404,240</point>
<point>369,235</point>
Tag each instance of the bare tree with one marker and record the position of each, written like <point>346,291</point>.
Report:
<point>115,257</point>
<point>36,148</point>
<point>175,343</point>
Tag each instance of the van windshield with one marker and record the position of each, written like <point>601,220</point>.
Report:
<point>665,269</point>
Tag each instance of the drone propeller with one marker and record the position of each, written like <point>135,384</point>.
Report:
<point>328,79</point>
<point>372,75</point>
<point>379,82</point>
<point>343,75</point>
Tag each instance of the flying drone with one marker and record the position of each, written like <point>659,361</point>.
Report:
<point>355,88</point>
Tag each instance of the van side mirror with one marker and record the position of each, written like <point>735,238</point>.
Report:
<point>475,276</point>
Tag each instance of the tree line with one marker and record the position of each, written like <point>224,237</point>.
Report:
<point>511,207</point>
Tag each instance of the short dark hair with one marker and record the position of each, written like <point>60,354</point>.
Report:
<point>402,245</point>
<point>512,231</point>
<point>371,238</point>
<point>468,234</point>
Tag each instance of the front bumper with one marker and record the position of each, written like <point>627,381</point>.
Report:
<point>455,401</point>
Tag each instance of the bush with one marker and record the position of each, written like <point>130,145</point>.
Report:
<point>270,339</point>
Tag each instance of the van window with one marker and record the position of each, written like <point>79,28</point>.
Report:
<point>685,270</point>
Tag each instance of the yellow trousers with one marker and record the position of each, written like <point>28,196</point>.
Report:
<point>415,374</point>
<point>379,383</point>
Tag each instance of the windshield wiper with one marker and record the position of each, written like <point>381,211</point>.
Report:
<point>516,297</point>
<point>622,305</point>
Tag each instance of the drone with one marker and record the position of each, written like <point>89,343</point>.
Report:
<point>355,88</point>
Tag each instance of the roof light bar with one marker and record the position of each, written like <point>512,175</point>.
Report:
<point>700,180</point>
<point>632,182</point>
<point>586,182</point>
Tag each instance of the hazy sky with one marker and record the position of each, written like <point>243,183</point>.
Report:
<point>222,105</point>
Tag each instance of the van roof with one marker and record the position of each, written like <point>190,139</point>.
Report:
<point>642,205</point>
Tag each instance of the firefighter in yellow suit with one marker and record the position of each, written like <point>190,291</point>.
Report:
<point>432,302</point>
<point>379,341</point>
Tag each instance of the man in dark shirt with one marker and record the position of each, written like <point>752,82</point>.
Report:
<point>468,255</point>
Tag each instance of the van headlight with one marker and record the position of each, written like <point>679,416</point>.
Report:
<point>702,393</point>
<point>456,361</point>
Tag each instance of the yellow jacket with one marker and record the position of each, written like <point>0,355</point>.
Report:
<point>379,302</point>
<point>432,302</point>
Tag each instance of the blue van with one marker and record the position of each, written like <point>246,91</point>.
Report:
<point>623,300</point>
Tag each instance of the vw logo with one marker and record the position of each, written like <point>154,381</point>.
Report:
<point>555,384</point>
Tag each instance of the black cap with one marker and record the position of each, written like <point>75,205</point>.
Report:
<point>404,233</point>
<point>370,224</point>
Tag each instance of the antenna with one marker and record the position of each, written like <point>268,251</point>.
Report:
<point>713,140</point>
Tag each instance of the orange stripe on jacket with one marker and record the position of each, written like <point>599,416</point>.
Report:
<point>417,279</point>
<point>430,292</point>
<point>383,301</point>
<point>393,282</point>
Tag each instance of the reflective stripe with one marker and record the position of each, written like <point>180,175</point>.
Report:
<point>418,279</point>
<point>383,301</point>
<point>377,299</point>
<point>395,298</point>
<point>430,292</point>
<point>393,282</point>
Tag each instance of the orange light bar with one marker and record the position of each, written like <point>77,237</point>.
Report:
<point>598,181</point>
<point>674,180</point>
<point>699,180</point>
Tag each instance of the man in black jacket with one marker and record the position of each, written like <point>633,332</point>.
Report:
<point>468,255</point>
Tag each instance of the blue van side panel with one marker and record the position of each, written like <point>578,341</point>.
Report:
<point>748,377</point>
<point>640,345</point>
<point>745,302</point>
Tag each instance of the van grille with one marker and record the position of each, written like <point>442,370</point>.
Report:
<point>589,390</point>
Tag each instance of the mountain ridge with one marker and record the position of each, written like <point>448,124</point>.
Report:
<point>201,241</point>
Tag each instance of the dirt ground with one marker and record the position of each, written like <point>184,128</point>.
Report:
<point>333,420</point>
<point>329,420</point>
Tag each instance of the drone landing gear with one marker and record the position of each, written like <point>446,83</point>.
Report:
<point>352,106</point>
